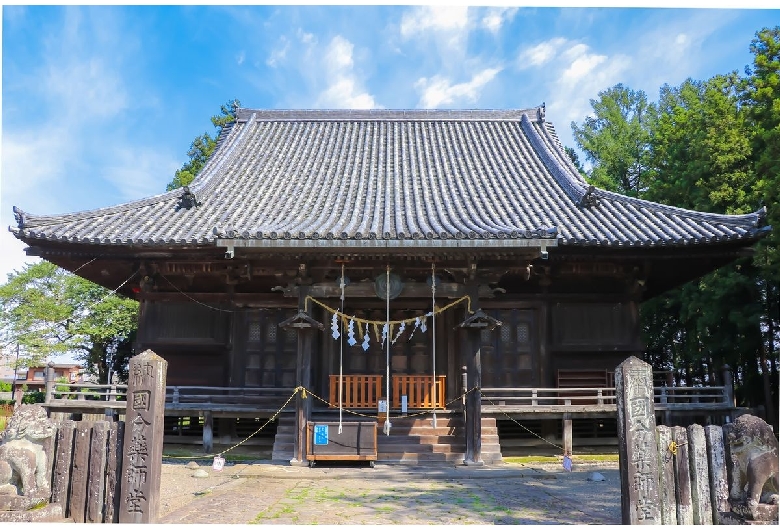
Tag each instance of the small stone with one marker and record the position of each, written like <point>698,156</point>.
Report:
<point>596,477</point>
<point>192,465</point>
<point>200,473</point>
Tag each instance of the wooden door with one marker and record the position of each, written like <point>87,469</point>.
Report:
<point>270,351</point>
<point>510,355</point>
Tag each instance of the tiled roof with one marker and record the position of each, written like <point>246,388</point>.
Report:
<point>394,178</point>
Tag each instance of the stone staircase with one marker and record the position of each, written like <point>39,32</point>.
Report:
<point>284,440</point>
<point>412,439</point>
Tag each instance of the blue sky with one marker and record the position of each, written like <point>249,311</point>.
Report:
<point>100,103</point>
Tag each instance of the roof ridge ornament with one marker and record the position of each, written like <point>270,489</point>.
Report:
<point>589,199</point>
<point>540,112</point>
<point>19,215</point>
<point>187,200</point>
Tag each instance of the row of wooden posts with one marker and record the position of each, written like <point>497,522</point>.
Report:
<point>669,475</point>
<point>109,471</point>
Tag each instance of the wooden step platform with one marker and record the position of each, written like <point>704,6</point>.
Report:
<point>412,439</point>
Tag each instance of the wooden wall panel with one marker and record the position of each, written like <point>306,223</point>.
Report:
<point>593,325</point>
<point>180,322</point>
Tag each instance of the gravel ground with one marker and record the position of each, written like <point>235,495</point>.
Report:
<point>267,493</point>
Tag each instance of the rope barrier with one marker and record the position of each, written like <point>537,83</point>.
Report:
<point>272,418</point>
<point>306,393</point>
<point>523,426</point>
<point>410,321</point>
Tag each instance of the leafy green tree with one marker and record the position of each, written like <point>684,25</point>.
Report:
<point>761,98</point>
<point>700,147</point>
<point>616,140</point>
<point>712,146</point>
<point>203,146</point>
<point>701,155</point>
<point>48,311</point>
<point>575,159</point>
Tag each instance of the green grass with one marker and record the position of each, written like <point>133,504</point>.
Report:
<point>576,459</point>
<point>3,421</point>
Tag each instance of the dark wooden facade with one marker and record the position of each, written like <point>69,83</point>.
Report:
<point>554,268</point>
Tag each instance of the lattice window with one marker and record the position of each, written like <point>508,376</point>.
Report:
<point>255,331</point>
<point>523,333</point>
<point>506,334</point>
<point>270,333</point>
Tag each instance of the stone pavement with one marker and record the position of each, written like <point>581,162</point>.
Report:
<point>335,493</point>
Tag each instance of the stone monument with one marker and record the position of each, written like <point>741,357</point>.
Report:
<point>753,463</point>
<point>24,482</point>
<point>639,471</point>
<point>142,461</point>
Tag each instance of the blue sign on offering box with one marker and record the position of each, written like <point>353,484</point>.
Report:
<point>320,435</point>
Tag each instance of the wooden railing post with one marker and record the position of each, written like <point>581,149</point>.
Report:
<point>464,380</point>
<point>112,389</point>
<point>49,378</point>
<point>728,386</point>
<point>567,430</point>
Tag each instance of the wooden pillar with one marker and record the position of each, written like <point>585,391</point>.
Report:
<point>304,325</point>
<point>208,432</point>
<point>143,439</point>
<point>474,325</point>
<point>302,406</point>
<point>473,455</point>
<point>567,430</point>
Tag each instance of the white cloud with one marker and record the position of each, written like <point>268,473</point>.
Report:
<point>139,173</point>
<point>438,90</point>
<point>540,54</point>
<point>496,16</point>
<point>83,92</point>
<point>434,18</point>
<point>343,88</point>
<point>31,158</point>
<point>582,65</point>
<point>278,55</point>
<point>12,256</point>
<point>241,57</point>
<point>572,73</point>
<point>338,56</point>
<point>445,27</point>
<point>306,38</point>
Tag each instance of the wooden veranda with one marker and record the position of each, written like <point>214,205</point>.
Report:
<point>362,394</point>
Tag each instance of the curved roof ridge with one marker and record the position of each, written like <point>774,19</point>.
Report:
<point>28,220</point>
<point>205,180</point>
<point>749,219</point>
<point>244,115</point>
<point>573,187</point>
